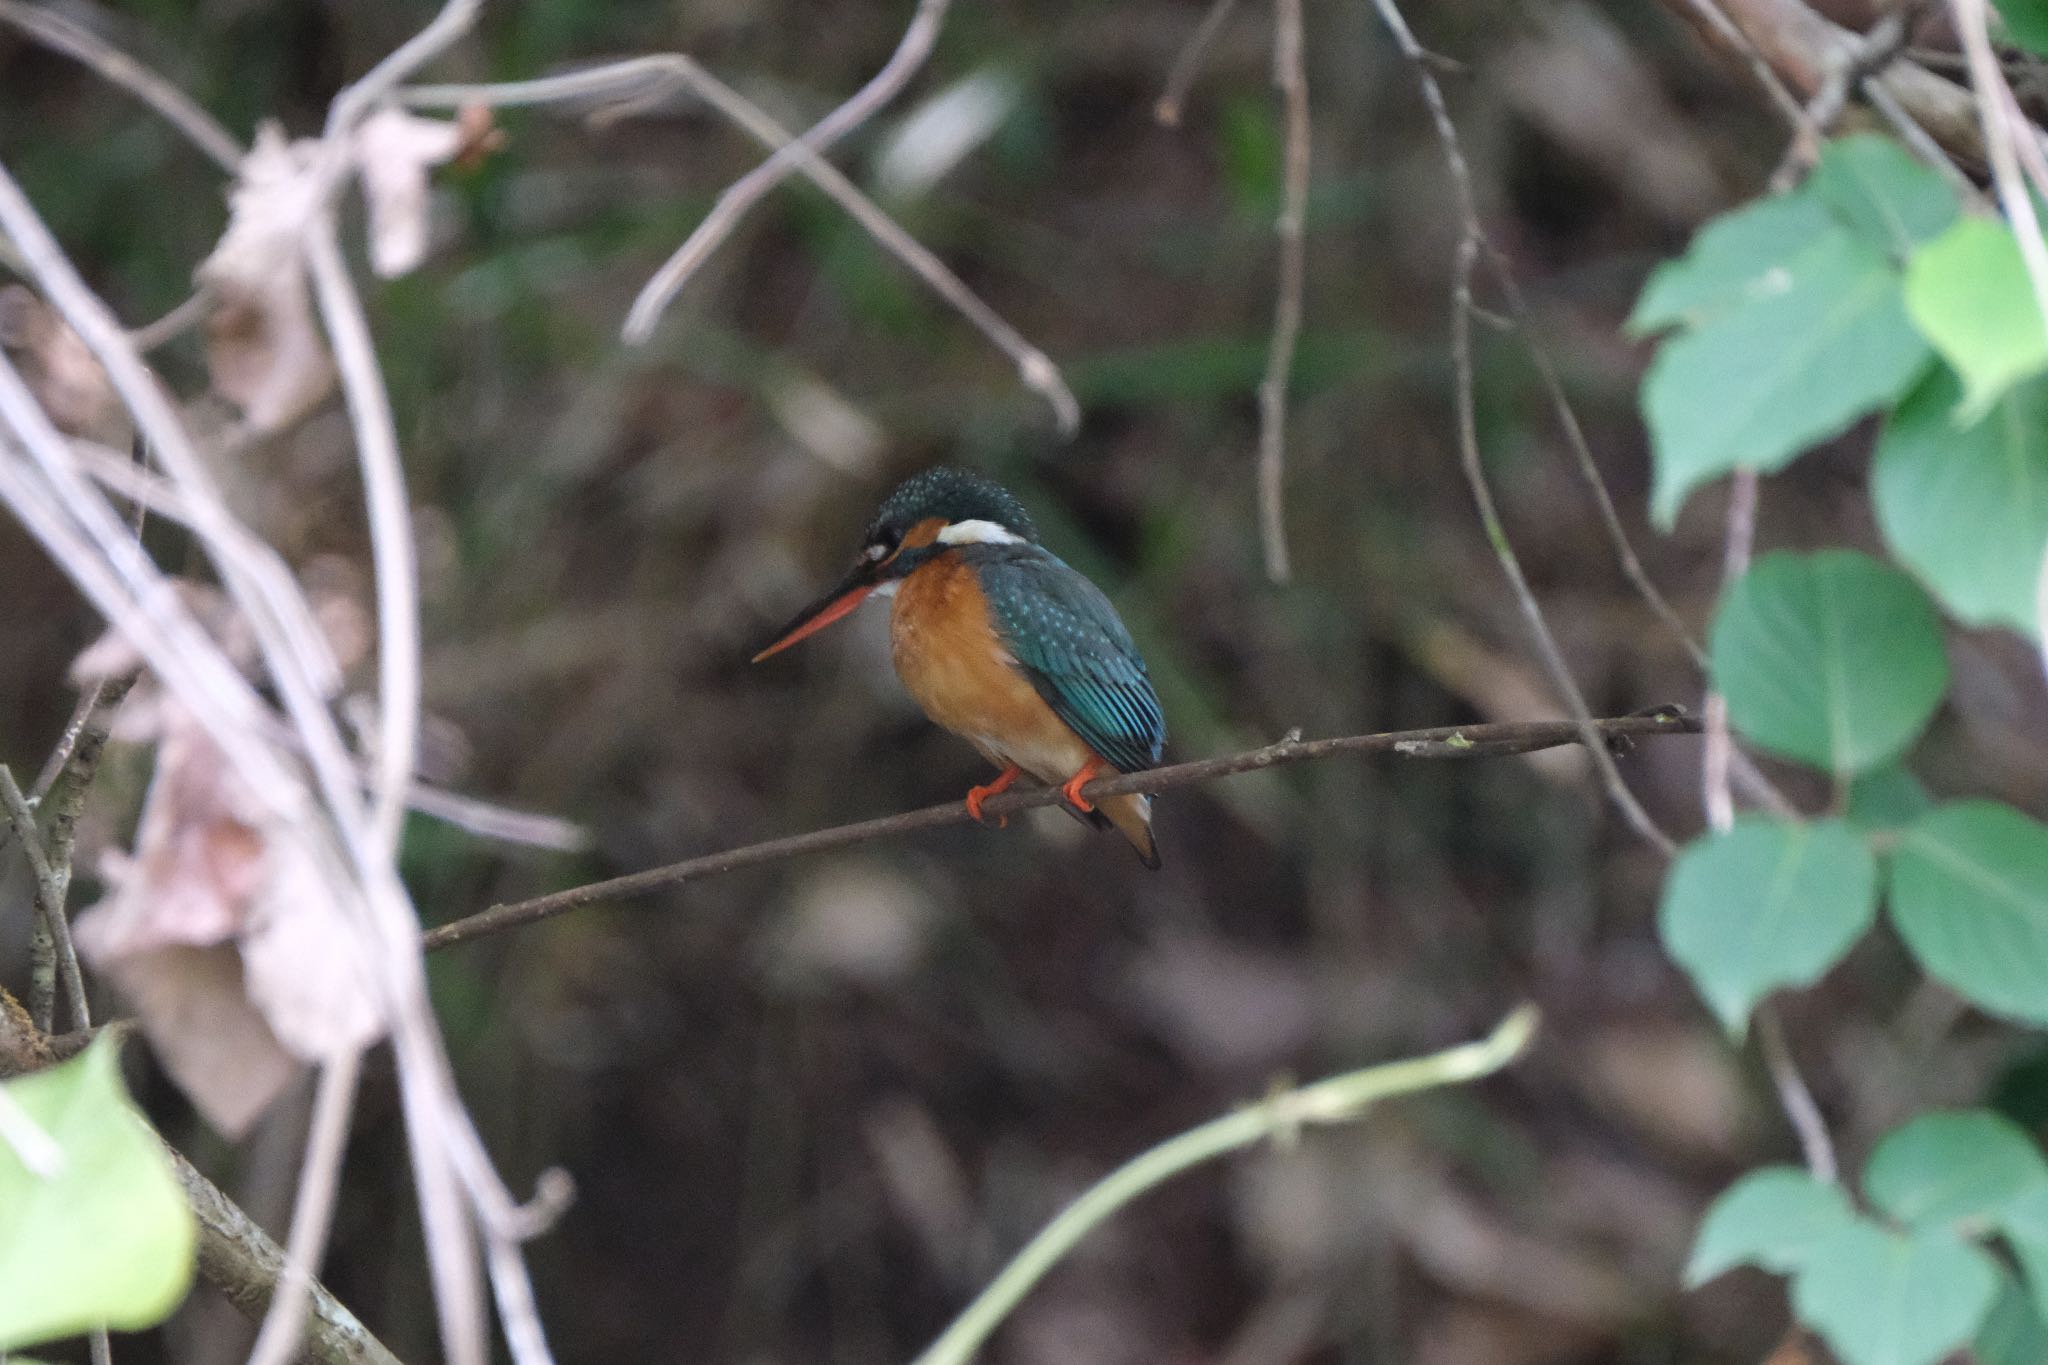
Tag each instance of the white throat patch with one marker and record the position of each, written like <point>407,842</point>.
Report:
<point>978,533</point>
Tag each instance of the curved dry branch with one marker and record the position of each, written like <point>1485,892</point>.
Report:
<point>1805,48</point>
<point>1447,741</point>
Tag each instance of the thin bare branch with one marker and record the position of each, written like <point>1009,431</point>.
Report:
<point>1717,793</point>
<point>1449,741</point>
<point>175,323</point>
<point>391,544</point>
<point>744,193</point>
<point>244,1266</point>
<point>284,1322</point>
<point>1471,247</point>
<point>55,31</point>
<point>640,80</point>
<point>1797,1101</point>
<point>1782,99</point>
<point>1291,81</point>
<point>49,896</point>
<point>1181,78</point>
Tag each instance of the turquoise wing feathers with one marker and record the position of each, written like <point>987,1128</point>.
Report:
<point>1075,650</point>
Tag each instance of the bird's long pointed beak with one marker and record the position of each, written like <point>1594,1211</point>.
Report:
<point>850,592</point>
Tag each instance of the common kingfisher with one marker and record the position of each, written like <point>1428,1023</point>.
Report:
<point>1005,645</point>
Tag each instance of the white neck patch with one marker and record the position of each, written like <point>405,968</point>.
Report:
<point>978,533</point>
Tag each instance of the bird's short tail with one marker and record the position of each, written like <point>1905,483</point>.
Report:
<point>1132,816</point>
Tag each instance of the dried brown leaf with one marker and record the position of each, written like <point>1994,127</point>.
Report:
<point>262,348</point>
<point>60,370</point>
<point>226,936</point>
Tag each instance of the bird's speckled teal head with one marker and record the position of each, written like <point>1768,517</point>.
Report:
<point>952,496</point>
<point>927,515</point>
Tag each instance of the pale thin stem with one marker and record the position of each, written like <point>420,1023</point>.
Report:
<point>448,27</point>
<point>277,1342</point>
<point>1340,1099</point>
<point>1511,565</point>
<point>1717,793</point>
<point>116,67</point>
<point>640,80</point>
<point>173,324</point>
<point>1181,78</point>
<point>1796,1100</point>
<point>1291,81</point>
<point>744,193</point>
<point>391,543</point>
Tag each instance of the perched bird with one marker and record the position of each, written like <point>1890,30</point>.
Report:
<point>1003,644</point>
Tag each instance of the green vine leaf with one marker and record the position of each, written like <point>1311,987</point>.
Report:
<point>1773,1217</point>
<point>1880,1297</point>
<point>1830,658</point>
<point>1769,903</point>
<point>1969,895</point>
<point>1968,293</point>
<point>1947,1168</point>
<point>1753,387</point>
<point>106,1241</point>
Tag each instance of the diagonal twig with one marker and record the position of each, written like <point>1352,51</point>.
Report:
<point>49,896</point>
<point>61,34</point>
<point>1449,741</point>
<point>911,51</point>
<point>639,81</point>
<point>1181,78</point>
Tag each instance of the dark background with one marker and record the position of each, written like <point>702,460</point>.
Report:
<point>811,1108</point>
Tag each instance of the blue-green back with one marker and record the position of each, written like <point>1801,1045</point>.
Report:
<point>1075,650</point>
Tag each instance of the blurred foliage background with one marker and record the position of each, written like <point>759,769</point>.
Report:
<point>811,1107</point>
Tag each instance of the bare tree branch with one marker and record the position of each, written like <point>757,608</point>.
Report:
<point>60,34</point>
<point>1185,67</point>
<point>1804,48</point>
<point>1450,741</point>
<point>1292,82</point>
<point>640,81</point>
<point>1473,245</point>
<point>748,190</point>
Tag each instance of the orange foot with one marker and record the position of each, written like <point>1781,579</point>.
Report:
<point>1072,790</point>
<point>977,795</point>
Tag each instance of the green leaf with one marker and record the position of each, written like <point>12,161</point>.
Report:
<point>1946,1168</point>
<point>1967,509</point>
<point>1772,1217</point>
<point>2026,22</point>
<point>1882,193</point>
<point>1968,293</point>
<point>1969,894</point>
<point>2024,1222</point>
<point>2013,1333</point>
<point>1752,387</point>
<point>1769,903</point>
<point>108,1241</point>
<point>1887,798</point>
<point>1885,1298</point>
<point>1829,658</point>
<point>1730,258</point>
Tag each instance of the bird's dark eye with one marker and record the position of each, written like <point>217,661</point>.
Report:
<point>879,549</point>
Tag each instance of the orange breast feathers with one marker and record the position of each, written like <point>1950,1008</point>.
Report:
<point>951,660</point>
